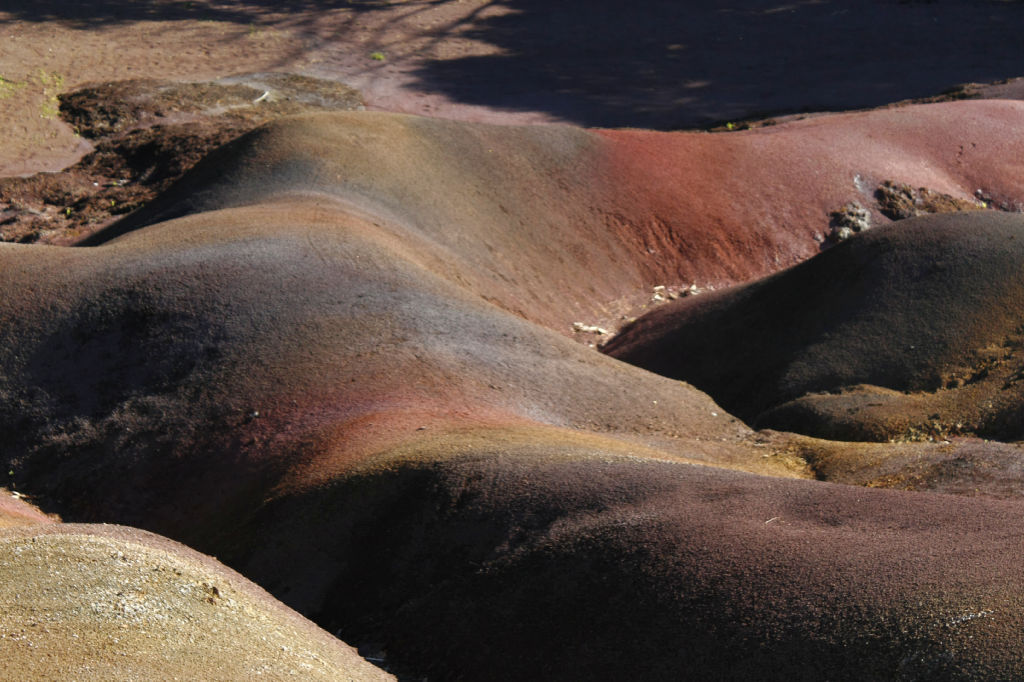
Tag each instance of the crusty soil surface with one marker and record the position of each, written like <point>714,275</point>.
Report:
<point>57,46</point>
<point>107,602</point>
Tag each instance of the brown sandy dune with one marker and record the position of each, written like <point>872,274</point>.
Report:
<point>317,357</point>
<point>292,336</point>
<point>494,566</point>
<point>107,602</point>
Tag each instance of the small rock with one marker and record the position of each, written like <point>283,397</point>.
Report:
<point>588,329</point>
<point>848,220</point>
<point>842,233</point>
<point>693,290</point>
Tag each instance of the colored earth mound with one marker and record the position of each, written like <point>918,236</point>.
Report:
<point>353,355</point>
<point>338,354</point>
<point>909,329</point>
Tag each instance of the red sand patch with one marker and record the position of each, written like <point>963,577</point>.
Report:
<point>724,208</point>
<point>16,511</point>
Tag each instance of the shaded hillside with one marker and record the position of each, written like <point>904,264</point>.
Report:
<point>926,306</point>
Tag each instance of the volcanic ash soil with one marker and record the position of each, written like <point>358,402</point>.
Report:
<point>338,354</point>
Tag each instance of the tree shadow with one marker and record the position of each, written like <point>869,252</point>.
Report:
<point>675,64</point>
<point>659,63</point>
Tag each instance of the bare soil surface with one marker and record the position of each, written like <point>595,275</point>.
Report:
<point>142,607</point>
<point>335,353</point>
<point>145,134</point>
<point>350,352</point>
<point>903,332</point>
<point>659,64</point>
<point>16,510</point>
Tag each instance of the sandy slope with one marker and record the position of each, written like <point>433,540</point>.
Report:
<point>560,224</point>
<point>102,602</point>
<point>327,369</point>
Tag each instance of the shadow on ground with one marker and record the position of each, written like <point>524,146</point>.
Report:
<point>667,64</point>
<point>654,63</point>
<point>120,11</point>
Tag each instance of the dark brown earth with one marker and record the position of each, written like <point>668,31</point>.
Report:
<point>349,354</point>
<point>899,201</point>
<point>907,330</point>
